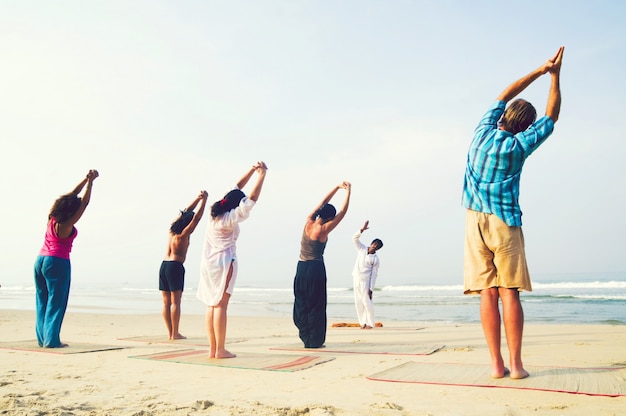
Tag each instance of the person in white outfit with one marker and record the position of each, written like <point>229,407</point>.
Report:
<point>219,257</point>
<point>364,275</point>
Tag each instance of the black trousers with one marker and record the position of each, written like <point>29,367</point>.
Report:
<point>309,307</point>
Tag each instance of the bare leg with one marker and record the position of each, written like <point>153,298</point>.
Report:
<point>216,324</point>
<point>210,330</point>
<point>490,319</point>
<point>513,315</point>
<point>219,322</point>
<point>167,306</point>
<point>175,314</point>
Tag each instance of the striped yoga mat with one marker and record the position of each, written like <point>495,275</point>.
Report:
<point>201,341</point>
<point>368,348</point>
<point>609,381</point>
<point>72,348</point>
<point>271,362</point>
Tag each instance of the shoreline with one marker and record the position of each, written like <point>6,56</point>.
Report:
<point>111,383</point>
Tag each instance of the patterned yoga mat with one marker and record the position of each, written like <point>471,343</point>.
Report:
<point>271,362</point>
<point>73,348</point>
<point>610,381</point>
<point>367,348</point>
<point>161,339</point>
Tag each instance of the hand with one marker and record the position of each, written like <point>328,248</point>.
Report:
<point>557,60</point>
<point>365,226</point>
<point>260,166</point>
<point>92,174</point>
<point>203,195</point>
<point>553,65</point>
<point>345,185</point>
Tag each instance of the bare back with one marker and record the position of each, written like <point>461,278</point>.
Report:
<point>177,246</point>
<point>315,231</point>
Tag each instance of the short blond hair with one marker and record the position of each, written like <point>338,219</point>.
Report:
<point>518,116</point>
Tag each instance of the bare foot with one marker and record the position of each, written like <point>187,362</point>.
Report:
<point>367,327</point>
<point>517,375</point>
<point>179,336</point>
<point>500,374</point>
<point>224,354</point>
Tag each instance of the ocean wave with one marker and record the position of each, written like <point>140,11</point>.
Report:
<point>596,284</point>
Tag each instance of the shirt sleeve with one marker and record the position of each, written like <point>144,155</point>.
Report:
<point>374,274</point>
<point>239,213</point>
<point>535,135</point>
<point>357,242</point>
<point>492,116</point>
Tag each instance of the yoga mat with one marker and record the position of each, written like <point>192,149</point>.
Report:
<point>73,348</point>
<point>367,348</point>
<point>353,325</point>
<point>609,381</point>
<point>161,339</point>
<point>377,325</point>
<point>271,362</point>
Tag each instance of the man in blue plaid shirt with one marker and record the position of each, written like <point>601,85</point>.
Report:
<point>495,260</point>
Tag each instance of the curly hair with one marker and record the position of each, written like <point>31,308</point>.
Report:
<point>518,116</point>
<point>64,207</point>
<point>231,200</point>
<point>181,222</point>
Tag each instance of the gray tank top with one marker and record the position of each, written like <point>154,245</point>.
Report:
<point>311,249</point>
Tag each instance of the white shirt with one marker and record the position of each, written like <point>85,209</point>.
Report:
<point>366,266</point>
<point>219,251</point>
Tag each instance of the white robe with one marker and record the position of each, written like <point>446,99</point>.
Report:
<point>219,252</point>
<point>364,277</point>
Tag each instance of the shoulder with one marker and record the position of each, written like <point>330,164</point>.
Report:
<point>492,115</point>
<point>496,108</point>
<point>537,132</point>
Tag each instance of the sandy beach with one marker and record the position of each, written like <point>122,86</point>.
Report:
<point>111,383</point>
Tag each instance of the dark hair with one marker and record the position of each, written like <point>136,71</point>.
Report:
<point>64,207</point>
<point>379,243</point>
<point>231,200</point>
<point>326,212</point>
<point>518,116</point>
<point>181,222</point>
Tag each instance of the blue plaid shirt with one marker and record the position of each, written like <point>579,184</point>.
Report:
<point>494,165</point>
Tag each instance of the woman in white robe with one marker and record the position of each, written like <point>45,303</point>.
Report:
<point>219,257</point>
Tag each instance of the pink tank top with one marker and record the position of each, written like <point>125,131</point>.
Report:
<point>54,245</point>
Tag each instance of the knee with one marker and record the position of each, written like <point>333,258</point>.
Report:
<point>490,294</point>
<point>508,295</point>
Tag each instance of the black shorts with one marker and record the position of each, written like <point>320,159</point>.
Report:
<point>171,276</point>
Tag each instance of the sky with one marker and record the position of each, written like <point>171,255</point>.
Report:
<point>167,98</point>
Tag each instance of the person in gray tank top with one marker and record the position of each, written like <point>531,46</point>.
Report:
<point>309,286</point>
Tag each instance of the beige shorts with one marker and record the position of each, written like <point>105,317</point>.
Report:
<point>494,254</point>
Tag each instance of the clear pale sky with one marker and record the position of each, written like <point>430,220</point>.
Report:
<point>166,98</point>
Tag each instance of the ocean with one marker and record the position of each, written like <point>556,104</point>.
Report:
<point>579,302</point>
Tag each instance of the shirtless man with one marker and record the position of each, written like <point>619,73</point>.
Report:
<point>172,273</point>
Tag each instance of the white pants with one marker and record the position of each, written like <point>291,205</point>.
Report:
<point>364,305</point>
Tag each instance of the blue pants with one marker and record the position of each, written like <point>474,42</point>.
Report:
<point>309,307</point>
<point>52,284</point>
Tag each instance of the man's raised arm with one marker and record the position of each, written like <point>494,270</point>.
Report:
<point>521,84</point>
<point>553,108</point>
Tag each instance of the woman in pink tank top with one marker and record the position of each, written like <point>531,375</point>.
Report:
<point>52,267</point>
